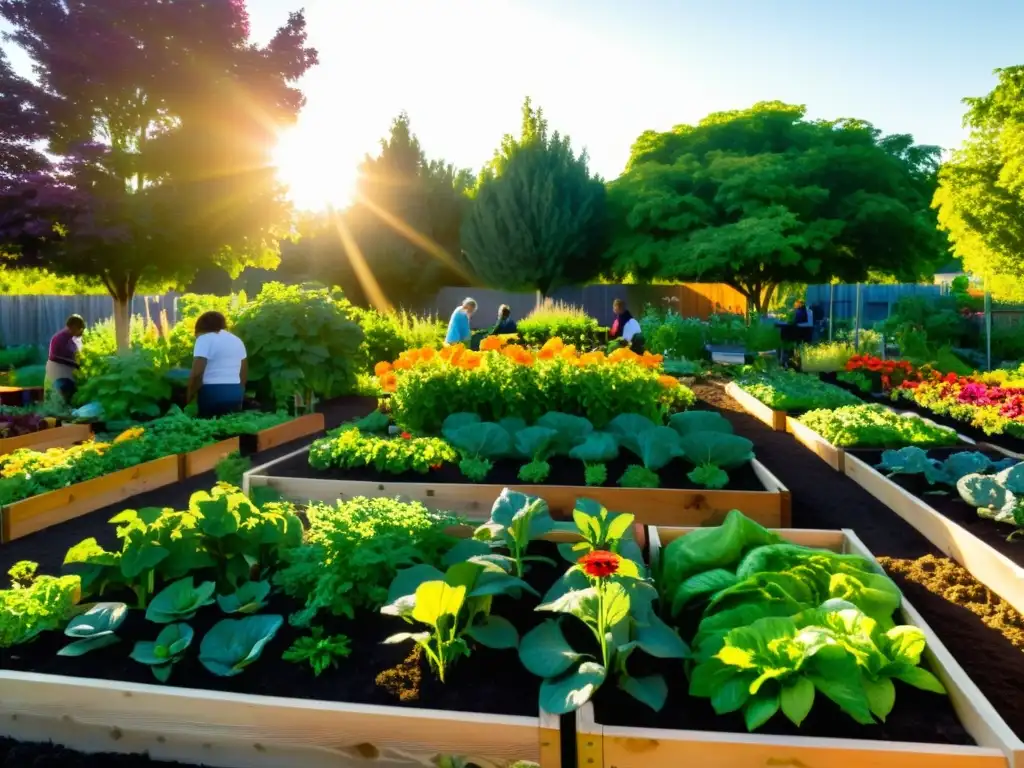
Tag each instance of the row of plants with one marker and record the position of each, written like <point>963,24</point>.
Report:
<point>508,380</point>
<point>785,390</point>
<point>875,426</point>
<point>994,408</point>
<point>687,338</point>
<point>18,422</point>
<point>702,439</point>
<point>25,472</point>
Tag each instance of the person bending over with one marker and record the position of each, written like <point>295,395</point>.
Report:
<point>220,368</point>
<point>505,324</point>
<point>62,361</point>
<point>459,330</point>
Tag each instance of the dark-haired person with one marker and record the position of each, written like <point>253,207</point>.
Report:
<point>505,324</point>
<point>219,368</point>
<point>625,326</point>
<point>62,361</point>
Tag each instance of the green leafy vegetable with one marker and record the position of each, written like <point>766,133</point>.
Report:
<point>180,600</point>
<point>516,520</point>
<point>34,604</point>
<point>94,629</point>
<point>248,598</point>
<point>231,645</point>
<point>162,654</point>
<point>700,421</point>
<point>595,474</point>
<point>319,651</point>
<point>637,476</point>
<point>873,426</point>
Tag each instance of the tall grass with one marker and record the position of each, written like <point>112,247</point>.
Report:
<point>566,321</point>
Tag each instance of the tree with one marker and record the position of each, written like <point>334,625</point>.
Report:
<point>20,126</point>
<point>980,198</point>
<point>538,218</point>
<point>164,115</point>
<point>758,197</point>
<point>399,240</point>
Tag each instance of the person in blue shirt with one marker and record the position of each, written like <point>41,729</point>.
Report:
<point>459,331</point>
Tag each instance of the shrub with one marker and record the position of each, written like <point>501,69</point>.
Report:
<point>673,335</point>
<point>554,319</point>
<point>300,342</point>
<point>182,338</point>
<point>128,386</point>
<point>29,376</point>
<point>789,391</point>
<point>18,357</point>
<point>387,334</point>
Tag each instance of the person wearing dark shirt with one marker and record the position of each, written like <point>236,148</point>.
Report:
<point>505,322</point>
<point>800,313</point>
<point>623,318</point>
<point>62,361</point>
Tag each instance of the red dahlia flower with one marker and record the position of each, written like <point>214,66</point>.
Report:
<point>406,436</point>
<point>599,564</point>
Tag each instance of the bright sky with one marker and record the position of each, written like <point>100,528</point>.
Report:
<point>606,70</point>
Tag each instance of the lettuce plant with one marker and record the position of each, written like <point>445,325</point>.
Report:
<point>34,604</point>
<point>349,448</point>
<point>713,453</point>
<point>319,651</point>
<point>231,645</point>
<point>180,600</point>
<point>94,629</point>
<point>248,598</point>
<point>162,654</point>
<point>616,605</point>
<point>456,608</point>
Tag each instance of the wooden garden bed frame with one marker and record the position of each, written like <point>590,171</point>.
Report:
<point>38,512</point>
<point>987,565</point>
<point>206,458</point>
<point>53,437</point>
<point>773,418</point>
<point>604,746</point>
<point>302,426</point>
<point>651,506</point>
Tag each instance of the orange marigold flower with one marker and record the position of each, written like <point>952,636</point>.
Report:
<point>134,433</point>
<point>554,344</point>
<point>623,354</point>
<point>469,360</point>
<point>389,382</point>
<point>381,368</point>
<point>568,352</point>
<point>427,354</point>
<point>599,564</point>
<point>546,354</point>
<point>401,364</point>
<point>517,354</point>
<point>492,344</point>
<point>668,382</point>
<point>592,358</point>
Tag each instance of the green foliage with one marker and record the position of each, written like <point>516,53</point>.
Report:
<point>821,199</point>
<point>388,334</point>
<point>978,198</point>
<point>300,342</point>
<point>555,319</point>
<point>538,217</point>
<point>34,604</point>
<point>595,474</point>
<point>874,426</point>
<point>637,476</point>
<point>180,600</point>
<point>248,598</point>
<point>232,468</point>
<point>456,606</point>
<point>998,497</point>
<point>40,282</point>
<point>672,335</point>
<point>231,645</point>
<point>789,391</point>
<point>349,448</point>
<point>602,530</point>
<point>94,629</point>
<point>319,651</point>
<point>516,520</point>
<point>476,469</point>
<point>28,376</point>
<point>18,357</point>
<point>131,385</point>
<point>167,650</point>
<point>353,550</point>
<point>826,357</point>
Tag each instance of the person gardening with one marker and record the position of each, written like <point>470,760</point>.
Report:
<point>220,368</point>
<point>459,330</point>
<point>505,324</point>
<point>625,326</point>
<point>62,361</point>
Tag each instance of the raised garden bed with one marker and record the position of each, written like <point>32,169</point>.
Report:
<point>20,395</point>
<point>206,458</point>
<point>757,492</point>
<point>264,440</point>
<point>54,437</point>
<point>964,730</point>
<point>773,418</point>
<point>38,512</point>
<point>951,525</point>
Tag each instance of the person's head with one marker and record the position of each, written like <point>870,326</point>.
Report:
<point>504,312</point>
<point>618,306</point>
<point>210,322</point>
<point>76,325</point>
<point>799,304</point>
<point>469,305</point>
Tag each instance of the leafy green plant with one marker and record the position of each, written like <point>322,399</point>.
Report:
<point>688,422</point>
<point>998,497</point>
<point>231,645</point>
<point>231,469</point>
<point>479,444</point>
<point>373,422</point>
<point>556,319</point>
<point>127,386</point>
<point>388,334</point>
<point>353,550</point>
<point>790,391</point>
<point>595,449</point>
<point>713,453</point>
<point>874,426</point>
<point>536,443</point>
<point>300,342</point>
<point>349,448</point>
<point>34,604</point>
<point>456,606</point>
<point>601,530</point>
<point>516,520</point>
<point>162,654</point>
<point>180,600</point>
<point>319,651</point>
<point>595,474</point>
<point>248,598</point>
<point>637,476</point>
<point>94,629</point>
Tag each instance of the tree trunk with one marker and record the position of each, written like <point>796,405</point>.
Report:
<point>122,320</point>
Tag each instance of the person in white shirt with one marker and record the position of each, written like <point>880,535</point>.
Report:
<point>219,368</point>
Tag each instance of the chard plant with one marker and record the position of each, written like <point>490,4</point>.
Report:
<point>318,650</point>
<point>616,605</point>
<point>163,653</point>
<point>455,606</point>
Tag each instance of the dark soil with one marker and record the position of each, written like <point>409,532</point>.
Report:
<point>563,472</point>
<point>489,681</point>
<point>17,754</point>
<point>946,501</point>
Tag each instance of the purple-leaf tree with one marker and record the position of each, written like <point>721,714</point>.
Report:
<point>164,116</point>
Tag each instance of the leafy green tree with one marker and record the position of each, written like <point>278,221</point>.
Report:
<point>759,197</point>
<point>164,157</point>
<point>980,198</point>
<point>538,218</point>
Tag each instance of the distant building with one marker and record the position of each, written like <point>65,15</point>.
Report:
<point>950,272</point>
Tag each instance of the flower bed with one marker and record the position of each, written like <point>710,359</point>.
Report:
<point>921,730</point>
<point>50,437</point>
<point>964,502</point>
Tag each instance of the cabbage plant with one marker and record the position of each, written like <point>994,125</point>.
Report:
<point>231,645</point>
<point>163,653</point>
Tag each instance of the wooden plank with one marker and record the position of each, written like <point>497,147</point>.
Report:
<point>661,748</point>
<point>243,731</point>
<point>309,424</point>
<point>822,448</point>
<point>55,437</point>
<point>987,565</point>
<point>206,458</point>
<point>42,511</point>
<point>258,476</point>
<point>773,418</point>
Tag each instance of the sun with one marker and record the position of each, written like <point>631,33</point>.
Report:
<point>314,180</point>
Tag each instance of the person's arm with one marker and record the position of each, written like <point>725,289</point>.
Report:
<point>195,379</point>
<point>243,373</point>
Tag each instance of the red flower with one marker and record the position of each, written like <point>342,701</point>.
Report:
<point>406,436</point>
<point>599,564</point>
<point>436,466</point>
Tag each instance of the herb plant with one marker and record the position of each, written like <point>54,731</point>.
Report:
<point>595,474</point>
<point>594,451</point>
<point>873,426</point>
<point>94,629</point>
<point>34,604</point>
<point>163,653</point>
<point>231,645</point>
<point>785,390</point>
<point>536,443</point>
<point>637,476</point>
<point>349,448</point>
<point>232,468</point>
<point>319,651</point>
